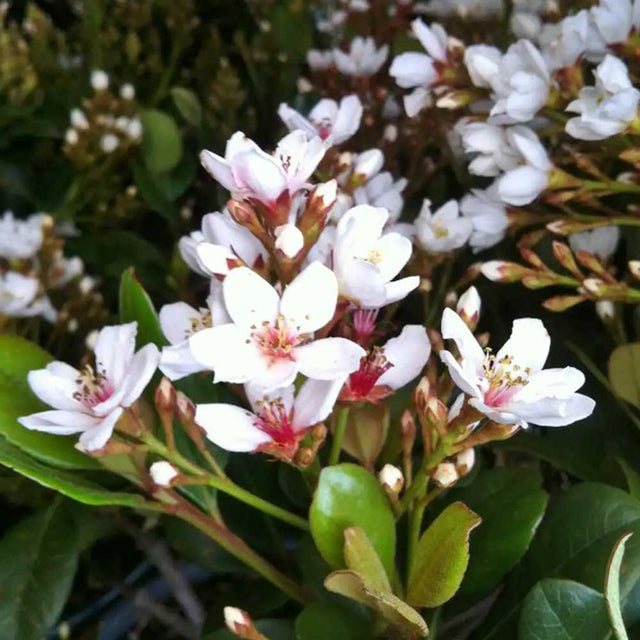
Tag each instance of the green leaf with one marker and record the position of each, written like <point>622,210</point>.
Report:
<point>624,372</point>
<point>573,542</point>
<point>323,620</point>
<point>563,610</point>
<point>39,558</point>
<point>161,141</point>
<point>188,105</point>
<point>291,26</point>
<point>362,558</point>
<point>632,477</point>
<point>442,556</point>
<point>135,305</point>
<point>349,496</point>
<point>69,484</point>
<point>612,587</point>
<point>398,613</point>
<point>17,358</point>
<point>511,505</point>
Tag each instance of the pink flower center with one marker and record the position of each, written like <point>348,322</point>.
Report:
<point>372,366</point>
<point>324,127</point>
<point>277,341</point>
<point>273,418</point>
<point>505,379</point>
<point>93,387</point>
<point>364,322</point>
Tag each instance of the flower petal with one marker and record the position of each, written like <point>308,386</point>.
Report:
<point>230,427</point>
<point>464,377</point>
<point>175,321</point>
<point>309,302</point>
<point>400,289</point>
<point>141,370</point>
<point>408,353</point>
<point>315,401</point>
<point>454,328</point>
<point>329,358</point>
<point>54,389</point>
<point>256,394</point>
<point>250,300</point>
<point>114,350</point>
<point>556,412</point>
<point>177,362</point>
<point>528,344</point>
<point>61,423</point>
<point>96,437</point>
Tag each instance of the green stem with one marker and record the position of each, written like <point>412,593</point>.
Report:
<point>445,277</point>
<point>338,436</point>
<point>224,484</point>
<point>612,185</point>
<point>234,545</point>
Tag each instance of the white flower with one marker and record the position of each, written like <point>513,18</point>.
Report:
<point>221,245</point>
<point>20,239</point>
<point>488,215</point>
<point>390,367</point>
<point>363,59</point>
<point>614,19</point>
<point>466,9</point>
<point>444,230</point>
<point>71,136</point>
<point>608,108</point>
<point>99,80</point>
<point>127,91</point>
<point>289,239</point>
<point>382,191</point>
<point>366,260</point>
<point>333,122</point>
<point>564,43</point>
<point>490,146</point>
<point>319,60</point>
<point>524,184</point>
<point>92,400</point>
<point>162,473</point>
<point>278,420</point>
<point>601,242</point>
<point>524,24</point>
<point>511,386</point>
<point>18,295</point>
<point>64,270</point>
<point>269,339</point>
<point>78,119</point>
<point>483,63</point>
<point>521,85</point>
<point>419,71</point>
<point>179,321</point>
<point>109,142</point>
<point>367,164</point>
<point>249,172</point>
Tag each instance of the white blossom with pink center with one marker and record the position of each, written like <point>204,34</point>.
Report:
<point>277,421</point>
<point>270,337</point>
<point>248,172</point>
<point>333,122</point>
<point>511,386</point>
<point>91,401</point>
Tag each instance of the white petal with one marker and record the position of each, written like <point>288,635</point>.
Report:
<point>309,302</point>
<point>329,358</point>
<point>274,374</point>
<point>394,252</point>
<point>98,436</point>
<point>315,401</point>
<point>175,320</point>
<point>400,289</point>
<point>214,258</point>
<point>219,168</point>
<point>551,383</point>
<point>363,284</point>
<point>54,389</point>
<point>528,344</point>
<point>229,427</point>
<point>114,350</point>
<point>408,353</point>
<point>250,299</point>
<point>177,362</point>
<point>522,185</point>
<point>257,394</point>
<point>260,174</point>
<point>554,412</point>
<point>141,370</point>
<point>61,423</point>
<point>465,377</point>
<point>454,328</point>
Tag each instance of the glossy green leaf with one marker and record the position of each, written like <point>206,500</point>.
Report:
<point>563,610</point>
<point>398,613</point>
<point>17,358</point>
<point>361,557</point>
<point>624,372</point>
<point>511,504</point>
<point>612,587</point>
<point>573,542</point>
<point>136,305</point>
<point>161,141</point>
<point>441,557</point>
<point>323,620</point>
<point>632,477</point>
<point>68,483</point>
<point>188,105</point>
<point>349,496</point>
<point>39,558</point>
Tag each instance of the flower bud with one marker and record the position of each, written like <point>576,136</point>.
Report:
<point>162,473</point>
<point>468,307</point>
<point>408,430</point>
<point>464,461</point>
<point>71,137</point>
<point>390,133</point>
<point>165,396</point>
<point>368,164</point>
<point>501,271</point>
<point>289,240</point>
<point>593,285</point>
<point>127,91</point>
<point>186,408</point>
<point>606,310</point>
<point>237,620</point>
<point>99,80</point>
<point>78,119</point>
<point>391,478</point>
<point>445,475</point>
<point>634,268</point>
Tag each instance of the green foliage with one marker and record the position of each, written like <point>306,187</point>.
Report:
<point>349,496</point>
<point>441,557</point>
<point>612,588</point>
<point>161,142</point>
<point>321,620</point>
<point>188,104</point>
